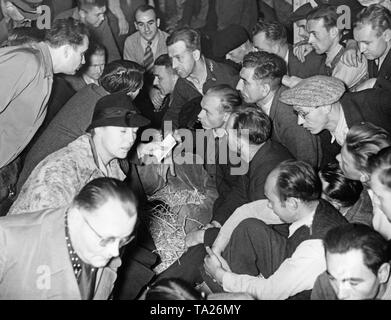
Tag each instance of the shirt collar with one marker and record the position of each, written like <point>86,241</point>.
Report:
<point>219,132</point>
<point>340,132</point>
<point>332,54</point>
<point>268,105</point>
<point>305,221</point>
<point>287,57</point>
<point>47,60</point>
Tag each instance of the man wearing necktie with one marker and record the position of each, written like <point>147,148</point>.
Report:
<point>373,36</point>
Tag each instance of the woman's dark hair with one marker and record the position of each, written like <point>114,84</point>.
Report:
<point>122,76</point>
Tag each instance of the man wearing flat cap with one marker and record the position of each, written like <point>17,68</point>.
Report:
<point>324,108</point>
<point>17,13</point>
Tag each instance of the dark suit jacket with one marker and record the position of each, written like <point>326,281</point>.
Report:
<point>310,67</point>
<point>250,186</point>
<point>371,105</point>
<point>383,75</point>
<point>300,142</point>
<point>184,90</point>
<point>33,246</point>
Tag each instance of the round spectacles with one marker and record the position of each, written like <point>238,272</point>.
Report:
<point>103,242</point>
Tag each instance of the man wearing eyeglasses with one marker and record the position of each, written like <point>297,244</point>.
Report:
<point>324,108</point>
<point>70,252</point>
<point>147,34</point>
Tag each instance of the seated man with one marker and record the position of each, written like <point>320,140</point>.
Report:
<point>71,252</point>
<point>276,261</point>
<point>362,141</point>
<point>358,265</point>
<point>92,14</point>
<point>380,191</point>
<point>75,116</point>
<point>324,37</point>
<point>248,135</point>
<point>324,109</point>
<point>373,35</point>
<point>148,42</point>
<point>272,37</point>
<point>92,70</point>
<point>231,44</point>
<point>164,82</point>
<point>260,83</point>
<point>196,73</point>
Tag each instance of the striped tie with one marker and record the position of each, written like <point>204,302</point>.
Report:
<point>148,57</point>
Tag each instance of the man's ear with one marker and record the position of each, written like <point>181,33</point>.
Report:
<point>334,32</point>
<point>135,25</point>
<point>384,272</point>
<point>82,14</point>
<point>292,203</point>
<point>387,35</point>
<point>158,22</point>
<point>66,50</point>
<point>364,177</point>
<point>196,54</point>
<point>266,88</point>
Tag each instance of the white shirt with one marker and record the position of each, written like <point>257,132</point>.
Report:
<point>267,106</point>
<point>295,274</point>
<point>341,130</point>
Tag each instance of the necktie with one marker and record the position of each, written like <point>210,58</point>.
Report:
<point>148,57</point>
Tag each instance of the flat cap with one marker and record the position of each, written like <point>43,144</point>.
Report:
<point>314,92</point>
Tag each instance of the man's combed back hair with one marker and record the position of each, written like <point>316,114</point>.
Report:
<point>189,36</point>
<point>341,190</point>
<point>172,289</point>
<point>326,13</point>
<point>355,236</point>
<point>143,8</point>
<point>274,31</point>
<point>230,99</point>
<point>297,179</point>
<point>122,76</point>
<point>381,164</point>
<point>253,122</point>
<point>101,190</point>
<point>267,66</point>
<point>90,4</point>
<point>163,61</point>
<point>375,15</point>
<point>365,140</point>
<point>66,32</point>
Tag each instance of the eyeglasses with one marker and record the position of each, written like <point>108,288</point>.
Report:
<point>103,242</point>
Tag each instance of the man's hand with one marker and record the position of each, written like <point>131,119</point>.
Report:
<point>302,50</point>
<point>290,82</point>
<point>195,237</point>
<point>156,97</point>
<point>352,55</point>
<point>213,266</point>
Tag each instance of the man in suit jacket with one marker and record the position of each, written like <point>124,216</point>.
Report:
<point>373,36</point>
<point>324,109</point>
<point>70,252</point>
<point>147,25</point>
<point>272,37</point>
<point>92,14</point>
<point>260,83</point>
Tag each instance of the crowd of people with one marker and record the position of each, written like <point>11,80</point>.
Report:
<point>289,143</point>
